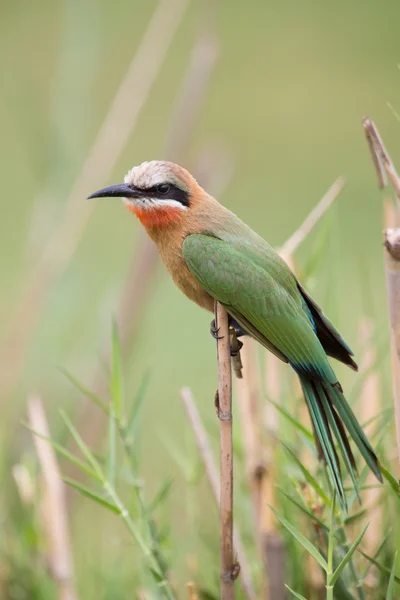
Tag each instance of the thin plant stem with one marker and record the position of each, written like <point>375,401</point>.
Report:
<point>226,453</point>
<point>385,170</point>
<point>329,573</point>
<point>211,469</point>
<point>291,245</point>
<point>55,516</point>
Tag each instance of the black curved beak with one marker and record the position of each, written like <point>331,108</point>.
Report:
<point>121,190</point>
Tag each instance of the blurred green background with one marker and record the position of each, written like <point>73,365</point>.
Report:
<point>284,104</point>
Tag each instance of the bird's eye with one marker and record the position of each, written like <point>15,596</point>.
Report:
<point>163,188</point>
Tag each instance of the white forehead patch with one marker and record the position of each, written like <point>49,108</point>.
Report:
<point>149,174</point>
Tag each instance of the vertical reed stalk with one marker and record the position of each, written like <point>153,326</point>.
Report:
<point>226,453</point>
<point>385,171</point>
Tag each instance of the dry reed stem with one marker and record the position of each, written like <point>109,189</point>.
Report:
<point>273,388</point>
<point>296,239</point>
<point>249,410</point>
<point>384,165</point>
<point>192,592</point>
<point>260,474</point>
<point>24,482</point>
<point>54,509</point>
<point>112,137</point>
<point>381,159</point>
<point>191,96</point>
<point>224,406</point>
<point>370,400</point>
<point>211,469</point>
<point>391,214</point>
<point>392,265</point>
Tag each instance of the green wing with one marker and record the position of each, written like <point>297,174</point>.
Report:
<point>272,313</point>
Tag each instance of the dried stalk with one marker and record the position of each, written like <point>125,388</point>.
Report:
<point>54,510</point>
<point>291,245</point>
<point>224,406</point>
<point>392,264</point>
<point>249,410</point>
<point>116,130</point>
<point>370,400</point>
<point>381,159</point>
<point>260,475</point>
<point>385,167</point>
<point>192,592</point>
<point>206,454</point>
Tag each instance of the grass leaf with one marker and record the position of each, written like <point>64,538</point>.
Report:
<point>347,557</point>
<point>299,426</point>
<point>394,484</point>
<point>85,391</point>
<point>311,549</point>
<point>309,478</point>
<point>304,509</point>
<point>376,554</point>
<point>66,454</point>
<point>379,566</point>
<point>389,593</point>
<point>133,421</point>
<point>295,594</point>
<point>116,384</point>
<point>112,448</point>
<point>161,494</point>
<point>82,446</point>
<point>92,495</point>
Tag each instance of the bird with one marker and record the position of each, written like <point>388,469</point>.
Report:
<point>212,255</point>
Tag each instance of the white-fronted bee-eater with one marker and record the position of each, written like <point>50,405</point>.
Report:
<point>212,255</point>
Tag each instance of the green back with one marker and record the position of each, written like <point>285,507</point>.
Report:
<point>257,287</point>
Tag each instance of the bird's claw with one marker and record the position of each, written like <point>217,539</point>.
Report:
<point>214,330</point>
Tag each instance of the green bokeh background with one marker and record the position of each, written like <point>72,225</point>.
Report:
<point>285,103</point>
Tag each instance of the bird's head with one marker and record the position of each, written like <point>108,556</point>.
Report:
<point>159,193</point>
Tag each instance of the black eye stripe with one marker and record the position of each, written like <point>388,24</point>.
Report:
<point>174,193</point>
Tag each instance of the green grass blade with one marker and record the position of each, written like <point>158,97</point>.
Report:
<point>82,446</point>
<point>379,566</point>
<point>299,426</point>
<point>161,495</point>
<point>112,448</point>
<point>394,484</point>
<point>309,478</point>
<point>386,412</point>
<point>307,545</point>
<point>303,509</point>
<point>295,594</point>
<point>116,385</point>
<point>354,518</point>
<point>86,392</point>
<point>66,454</point>
<point>389,593</point>
<point>329,576</point>
<point>92,495</point>
<point>348,556</point>
<point>134,417</point>
<point>376,554</point>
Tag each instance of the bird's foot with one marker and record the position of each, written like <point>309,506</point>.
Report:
<point>214,330</point>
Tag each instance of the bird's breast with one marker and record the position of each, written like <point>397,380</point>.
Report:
<point>170,250</point>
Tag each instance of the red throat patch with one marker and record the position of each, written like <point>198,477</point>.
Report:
<point>156,217</point>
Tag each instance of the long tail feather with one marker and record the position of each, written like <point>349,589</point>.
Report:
<point>330,414</point>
